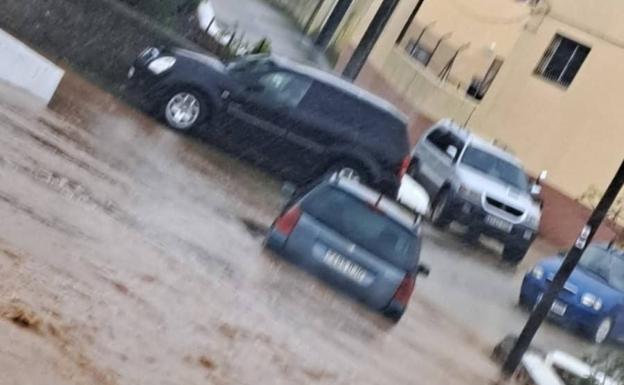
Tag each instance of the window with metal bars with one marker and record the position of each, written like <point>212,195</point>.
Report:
<point>419,52</point>
<point>562,60</point>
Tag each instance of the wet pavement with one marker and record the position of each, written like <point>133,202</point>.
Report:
<point>470,283</point>
<point>132,255</point>
<point>257,19</point>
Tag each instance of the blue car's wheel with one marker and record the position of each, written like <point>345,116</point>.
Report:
<point>602,331</point>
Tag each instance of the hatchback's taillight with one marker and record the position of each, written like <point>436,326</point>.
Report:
<point>405,165</point>
<point>287,222</point>
<point>405,290</point>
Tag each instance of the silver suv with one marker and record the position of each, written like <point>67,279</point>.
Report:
<point>479,185</point>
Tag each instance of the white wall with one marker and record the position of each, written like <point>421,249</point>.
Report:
<point>22,67</point>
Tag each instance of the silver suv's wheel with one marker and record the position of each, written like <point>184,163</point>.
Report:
<point>183,110</point>
<point>440,215</point>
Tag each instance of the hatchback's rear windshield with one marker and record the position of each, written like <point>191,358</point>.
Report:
<point>363,225</point>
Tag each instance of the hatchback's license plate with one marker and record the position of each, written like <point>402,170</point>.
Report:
<point>498,223</point>
<point>344,266</point>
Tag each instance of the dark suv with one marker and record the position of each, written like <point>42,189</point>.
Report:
<point>293,119</point>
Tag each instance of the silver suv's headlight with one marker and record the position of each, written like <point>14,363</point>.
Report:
<point>538,272</point>
<point>590,300</point>
<point>533,221</point>
<point>161,64</point>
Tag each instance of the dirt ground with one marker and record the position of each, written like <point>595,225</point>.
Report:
<point>132,255</point>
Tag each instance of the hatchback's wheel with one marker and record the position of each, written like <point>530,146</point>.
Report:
<point>602,331</point>
<point>440,215</point>
<point>184,110</point>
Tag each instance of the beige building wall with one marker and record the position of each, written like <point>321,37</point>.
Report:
<point>490,27</point>
<point>424,91</point>
<point>576,133</point>
<point>544,123</point>
<point>603,18</point>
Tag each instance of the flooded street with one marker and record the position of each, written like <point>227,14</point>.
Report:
<point>132,255</point>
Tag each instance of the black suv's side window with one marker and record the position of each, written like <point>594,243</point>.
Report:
<point>443,139</point>
<point>284,88</point>
<point>332,105</point>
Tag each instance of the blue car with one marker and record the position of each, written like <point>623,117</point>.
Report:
<point>592,300</point>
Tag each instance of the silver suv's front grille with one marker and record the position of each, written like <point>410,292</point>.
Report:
<point>496,204</point>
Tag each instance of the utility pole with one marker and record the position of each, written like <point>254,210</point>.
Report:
<point>332,24</point>
<point>571,260</point>
<point>409,22</point>
<point>375,29</point>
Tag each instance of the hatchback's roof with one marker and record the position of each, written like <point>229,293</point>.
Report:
<point>386,205</point>
<point>344,85</point>
<point>477,141</point>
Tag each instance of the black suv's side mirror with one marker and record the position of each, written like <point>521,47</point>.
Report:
<point>423,270</point>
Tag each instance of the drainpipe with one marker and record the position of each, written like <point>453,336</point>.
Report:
<point>409,22</point>
<point>370,38</point>
<point>317,9</point>
<point>332,24</point>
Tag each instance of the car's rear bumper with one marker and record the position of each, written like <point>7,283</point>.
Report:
<point>413,195</point>
<point>281,245</point>
<point>275,240</point>
<point>146,90</point>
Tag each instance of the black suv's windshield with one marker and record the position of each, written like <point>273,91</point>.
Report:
<point>496,167</point>
<point>607,265</point>
<point>363,225</point>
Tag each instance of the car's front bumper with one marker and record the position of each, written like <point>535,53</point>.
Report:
<point>576,316</point>
<point>474,216</point>
<point>145,89</point>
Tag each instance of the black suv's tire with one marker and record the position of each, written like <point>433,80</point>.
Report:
<point>440,213</point>
<point>184,110</point>
<point>514,254</point>
<point>350,169</point>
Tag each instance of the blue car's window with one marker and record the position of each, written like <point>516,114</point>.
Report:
<point>363,225</point>
<point>605,264</point>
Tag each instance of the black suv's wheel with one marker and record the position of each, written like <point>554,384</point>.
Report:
<point>184,110</point>
<point>514,253</point>
<point>440,214</point>
<point>350,169</point>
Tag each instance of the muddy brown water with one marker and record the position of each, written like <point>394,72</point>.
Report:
<point>132,255</point>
